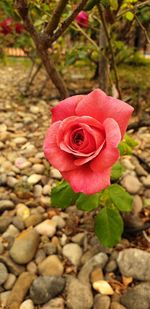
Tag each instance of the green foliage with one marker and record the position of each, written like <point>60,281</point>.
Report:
<point>120,198</point>
<point>62,195</point>
<point>127,145</point>
<point>91,4</point>
<point>116,171</point>
<point>87,202</point>
<point>129,16</point>
<point>109,226</point>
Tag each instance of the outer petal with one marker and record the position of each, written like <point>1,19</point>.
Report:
<point>84,180</point>
<point>110,154</point>
<point>65,108</point>
<point>58,158</point>
<point>100,106</point>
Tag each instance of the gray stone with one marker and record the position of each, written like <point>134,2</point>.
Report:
<point>131,184</point>
<point>33,220</point>
<point>40,256</point>
<point>50,248</point>
<point>51,266</point>
<point>3,273</point>
<point>6,205</point>
<point>45,288</point>
<point>134,263</point>
<point>137,204</point>
<point>146,181</point>
<point>18,222</point>
<point>79,295</point>
<point>11,231</point>
<point>25,246</point>
<point>111,266</point>
<point>12,267</point>
<point>101,302</point>
<point>60,222</point>
<point>4,223</point>
<point>99,259</point>
<point>137,297</point>
<point>73,252</point>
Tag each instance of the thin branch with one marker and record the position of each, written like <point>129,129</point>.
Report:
<point>143,29</point>
<point>67,22</point>
<point>137,6</point>
<point>110,48</point>
<point>53,23</point>
<point>86,35</point>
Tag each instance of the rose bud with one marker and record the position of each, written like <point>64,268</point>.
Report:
<point>19,28</point>
<point>82,19</point>
<point>82,141</point>
<point>5,26</point>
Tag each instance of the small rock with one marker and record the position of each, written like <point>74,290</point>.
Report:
<point>12,231</point>
<point>115,305</point>
<point>38,168</point>
<point>11,181</point>
<point>25,246</point>
<point>1,247</point>
<point>4,223</point>
<point>99,259</point>
<point>33,220</point>
<point>146,181</point>
<point>27,304</point>
<point>6,205</point>
<point>23,211</point>
<point>12,267</point>
<point>20,140</point>
<point>33,179</point>
<point>131,184</point>
<point>111,266</point>
<point>34,109</point>
<point>140,170</point>
<point>10,282</point>
<point>127,164</point>
<point>79,238</point>
<point>54,173</point>
<point>45,288</point>
<point>60,222</point>
<point>3,299</point>
<point>79,295</point>
<point>46,190</point>
<point>18,223</point>
<point>101,302</point>
<point>3,273</point>
<point>40,256</point>
<point>56,303</point>
<point>50,248</point>
<point>22,163</point>
<point>31,267</point>
<point>103,287</point>
<point>37,190</point>
<point>51,266</point>
<point>19,290</point>
<point>73,252</point>
<point>137,204</point>
<point>134,263</point>
<point>137,297</point>
<point>47,227</point>
<point>97,274</point>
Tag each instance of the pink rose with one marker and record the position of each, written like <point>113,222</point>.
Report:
<point>6,26</point>
<point>82,19</point>
<point>83,138</point>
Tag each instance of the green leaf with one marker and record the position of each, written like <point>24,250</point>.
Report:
<point>114,4</point>
<point>87,202</point>
<point>116,171</point>
<point>124,149</point>
<point>91,4</point>
<point>121,199</point>
<point>130,141</point>
<point>129,16</point>
<point>63,196</point>
<point>108,226</point>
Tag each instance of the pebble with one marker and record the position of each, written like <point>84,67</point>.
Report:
<point>27,304</point>
<point>25,246</point>
<point>20,140</point>
<point>10,282</point>
<point>11,181</point>
<point>31,267</point>
<point>3,299</point>
<point>131,184</point>
<point>38,168</point>
<point>146,181</point>
<point>73,252</point>
<point>60,222</point>
<point>101,302</point>
<point>34,179</point>
<point>99,259</point>
<point>78,238</point>
<point>51,266</point>
<point>40,256</point>
<point>11,231</point>
<point>19,290</point>
<point>47,227</point>
<point>56,303</point>
<point>134,263</point>
<point>18,223</point>
<point>96,275</point>
<point>1,247</point>
<point>33,220</point>
<point>50,248</point>
<point>111,266</point>
<point>137,204</point>
<point>3,273</point>
<point>22,163</point>
<point>137,297</point>
<point>23,211</point>
<point>115,305</point>
<point>54,173</point>
<point>79,295</point>
<point>103,287</point>
<point>4,223</point>
<point>45,288</point>
<point>46,190</point>
<point>6,205</point>
<point>12,267</point>
<point>127,164</point>
<point>37,190</point>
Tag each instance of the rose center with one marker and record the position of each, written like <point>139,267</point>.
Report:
<point>78,138</point>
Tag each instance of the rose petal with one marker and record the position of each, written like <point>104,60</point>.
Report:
<point>65,108</point>
<point>110,154</point>
<point>84,180</point>
<point>58,158</point>
<point>100,106</point>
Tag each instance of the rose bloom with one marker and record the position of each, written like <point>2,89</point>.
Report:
<point>19,28</point>
<point>6,26</point>
<point>82,19</point>
<point>83,138</point>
